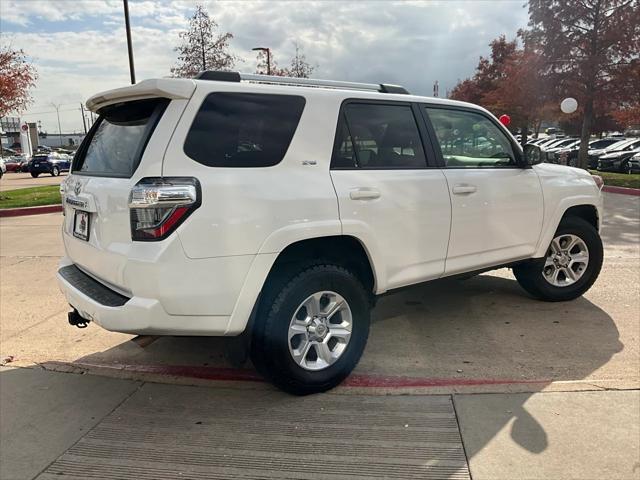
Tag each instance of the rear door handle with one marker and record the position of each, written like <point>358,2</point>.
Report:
<point>364,194</point>
<point>464,189</point>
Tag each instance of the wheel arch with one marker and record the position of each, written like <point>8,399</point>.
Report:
<point>584,207</point>
<point>345,250</point>
<point>587,212</point>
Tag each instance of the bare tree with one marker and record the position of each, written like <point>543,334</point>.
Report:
<point>202,47</point>
<point>299,66</point>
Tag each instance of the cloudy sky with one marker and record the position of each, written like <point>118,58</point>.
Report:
<point>79,46</point>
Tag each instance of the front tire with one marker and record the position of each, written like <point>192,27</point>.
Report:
<point>572,264</point>
<point>311,329</point>
<point>55,171</point>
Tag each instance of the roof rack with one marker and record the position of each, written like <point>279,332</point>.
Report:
<point>306,82</point>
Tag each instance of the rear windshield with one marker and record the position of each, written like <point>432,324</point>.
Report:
<point>117,141</point>
<point>243,129</point>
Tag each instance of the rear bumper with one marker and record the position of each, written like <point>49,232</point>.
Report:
<point>136,315</point>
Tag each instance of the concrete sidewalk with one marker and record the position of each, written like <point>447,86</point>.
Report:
<point>57,425</point>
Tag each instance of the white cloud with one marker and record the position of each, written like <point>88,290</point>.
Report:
<point>410,42</point>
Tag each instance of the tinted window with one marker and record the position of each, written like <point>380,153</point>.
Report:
<point>378,136</point>
<point>119,138</point>
<point>601,143</point>
<point>470,140</point>
<point>243,129</point>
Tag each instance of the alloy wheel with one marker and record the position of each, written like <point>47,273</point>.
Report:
<point>320,330</point>
<point>567,260</point>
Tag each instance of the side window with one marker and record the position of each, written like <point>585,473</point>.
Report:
<point>243,129</point>
<point>378,136</point>
<point>470,140</point>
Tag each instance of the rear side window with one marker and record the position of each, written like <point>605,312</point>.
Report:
<point>119,137</point>
<point>377,136</point>
<point>243,129</point>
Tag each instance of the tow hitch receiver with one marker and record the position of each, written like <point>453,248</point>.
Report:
<point>76,320</point>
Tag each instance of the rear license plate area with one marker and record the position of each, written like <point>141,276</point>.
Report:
<point>81,222</point>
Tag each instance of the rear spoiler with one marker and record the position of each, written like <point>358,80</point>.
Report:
<point>172,88</point>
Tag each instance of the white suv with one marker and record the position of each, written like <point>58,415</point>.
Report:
<point>281,208</point>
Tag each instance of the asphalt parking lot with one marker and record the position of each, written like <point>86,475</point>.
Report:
<point>478,336</point>
<point>13,181</point>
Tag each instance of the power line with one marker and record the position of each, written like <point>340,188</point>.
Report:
<point>52,111</point>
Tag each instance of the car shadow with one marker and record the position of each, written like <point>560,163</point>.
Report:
<point>482,331</point>
<point>487,329</point>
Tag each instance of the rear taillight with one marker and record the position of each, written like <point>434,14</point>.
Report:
<point>157,206</point>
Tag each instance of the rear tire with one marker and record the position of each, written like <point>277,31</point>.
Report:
<point>531,275</point>
<point>296,362</point>
<point>34,175</point>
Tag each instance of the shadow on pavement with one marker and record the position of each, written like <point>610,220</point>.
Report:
<point>479,330</point>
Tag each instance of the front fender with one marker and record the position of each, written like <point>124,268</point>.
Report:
<point>551,223</point>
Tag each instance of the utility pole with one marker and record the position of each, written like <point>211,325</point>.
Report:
<point>57,107</point>
<point>84,123</point>
<point>265,49</point>
<point>127,26</point>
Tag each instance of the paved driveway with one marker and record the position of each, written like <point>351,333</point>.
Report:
<point>482,334</point>
<point>13,181</point>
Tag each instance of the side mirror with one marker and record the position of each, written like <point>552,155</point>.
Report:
<point>532,154</point>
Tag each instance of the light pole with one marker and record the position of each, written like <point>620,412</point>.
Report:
<point>57,107</point>
<point>265,49</point>
<point>127,27</point>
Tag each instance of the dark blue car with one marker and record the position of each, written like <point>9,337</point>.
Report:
<point>52,163</point>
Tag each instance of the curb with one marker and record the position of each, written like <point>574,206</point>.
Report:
<point>18,212</point>
<point>621,190</point>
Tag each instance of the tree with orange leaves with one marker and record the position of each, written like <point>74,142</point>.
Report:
<point>17,77</point>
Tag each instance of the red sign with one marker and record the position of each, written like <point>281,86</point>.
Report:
<point>25,127</point>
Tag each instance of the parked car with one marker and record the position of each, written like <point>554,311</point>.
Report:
<point>43,149</point>
<point>569,154</point>
<point>3,167</point>
<point>626,144</point>
<point>53,163</point>
<point>617,161</point>
<point>634,164</point>
<point>239,204</point>
<point>13,163</point>
<point>549,152</point>
<point>8,152</point>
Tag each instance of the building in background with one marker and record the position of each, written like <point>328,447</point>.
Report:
<point>9,131</point>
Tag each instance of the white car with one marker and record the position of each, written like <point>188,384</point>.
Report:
<point>3,167</point>
<point>280,208</point>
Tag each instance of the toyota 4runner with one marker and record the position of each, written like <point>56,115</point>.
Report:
<point>282,207</point>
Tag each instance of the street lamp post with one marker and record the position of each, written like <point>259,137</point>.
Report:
<point>265,49</point>
<point>57,107</point>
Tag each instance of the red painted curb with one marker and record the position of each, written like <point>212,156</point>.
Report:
<point>18,212</point>
<point>621,190</point>
<point>356,380</point>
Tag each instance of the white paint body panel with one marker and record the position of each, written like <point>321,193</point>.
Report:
<point>406,229</point>
<point>205,278</point>
<point>498,222</point>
